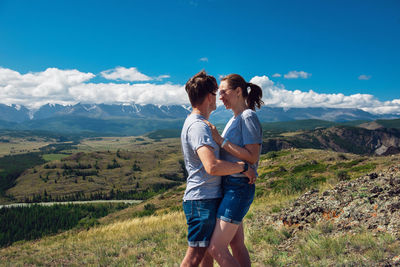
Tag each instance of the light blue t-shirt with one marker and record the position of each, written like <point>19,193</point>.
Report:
<point>200,185</point>
<point>242,130</point>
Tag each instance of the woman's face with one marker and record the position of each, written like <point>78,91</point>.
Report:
<point>227,95</point>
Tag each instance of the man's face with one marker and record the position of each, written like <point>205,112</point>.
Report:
<point>213,101</point>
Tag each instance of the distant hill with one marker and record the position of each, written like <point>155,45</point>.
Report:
<point>381,141</point>
<point>302,125</point>
<point>8,124</point>
<point>395,123</point>
<point>166,133</point>
<point>117,126</point>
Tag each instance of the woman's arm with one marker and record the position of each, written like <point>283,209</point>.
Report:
<point>249,153</point>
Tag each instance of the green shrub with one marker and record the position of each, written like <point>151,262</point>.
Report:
<point>87,222</point>
<point>312,166</point>
<point>342,175</point>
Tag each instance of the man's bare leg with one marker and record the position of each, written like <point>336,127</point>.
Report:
<point>207,261</point>
<point>193,256</point>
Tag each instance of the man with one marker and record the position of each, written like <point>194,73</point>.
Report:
<point>203,190</point>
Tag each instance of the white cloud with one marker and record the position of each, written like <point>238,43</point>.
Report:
<point>364,77</point>
<point>143,93</point>
<point>38,88</point>
<point>204,59</point>
<point>277,75</point>
<point>124,74</point>
<point>161,77</point>
<point>69,87</point>
<point>278,96</point>
<point>65,87</point>
<point>294,74</point>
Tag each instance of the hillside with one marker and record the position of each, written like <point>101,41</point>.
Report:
<point>103,168</point>
<point>128,167</point>
<point>358,140</point>
<point>286,176</point>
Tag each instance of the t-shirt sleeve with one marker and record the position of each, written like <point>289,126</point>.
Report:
<point>200,135</point>
<point>251,129</point>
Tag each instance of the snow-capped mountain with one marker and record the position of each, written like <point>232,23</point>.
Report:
<point>18,114</point>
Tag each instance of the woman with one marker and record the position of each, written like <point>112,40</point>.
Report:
<point>240,141</point>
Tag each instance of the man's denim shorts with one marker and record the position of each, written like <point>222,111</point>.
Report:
<point>238,195</point>
<point>201,216</point>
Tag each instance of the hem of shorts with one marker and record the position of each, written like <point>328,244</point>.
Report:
<point>198,244</point>
<point>201,198</point>
<point>225,219</point>
<point>238,175</point>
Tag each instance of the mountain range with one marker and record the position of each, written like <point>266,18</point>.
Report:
<point>135,119</point>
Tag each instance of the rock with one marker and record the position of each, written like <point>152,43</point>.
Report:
<point>376,189</point>
<point>326,193</point>
<point>369,202</point>
<point>373,175</point>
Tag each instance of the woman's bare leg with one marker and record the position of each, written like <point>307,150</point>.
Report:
<point>239,250</point>
<point>222,236</point>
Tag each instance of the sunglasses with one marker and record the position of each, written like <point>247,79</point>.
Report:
<point>224,92</point>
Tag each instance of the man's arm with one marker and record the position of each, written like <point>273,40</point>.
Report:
<point>214,166</point>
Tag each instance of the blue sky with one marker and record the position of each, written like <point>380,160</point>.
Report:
<point>336,49</point>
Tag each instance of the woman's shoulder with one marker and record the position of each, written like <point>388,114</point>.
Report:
<point>248,113</point>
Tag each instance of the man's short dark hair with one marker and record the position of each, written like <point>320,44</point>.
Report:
<point>199,86</point>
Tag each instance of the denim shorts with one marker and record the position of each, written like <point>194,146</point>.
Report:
<point>201,216</point>
<point>238,195</point>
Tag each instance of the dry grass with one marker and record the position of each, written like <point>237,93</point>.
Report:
<point>130,143</point>
<point>288,134</point>
<point>21,145</point>
<point>150,241</point>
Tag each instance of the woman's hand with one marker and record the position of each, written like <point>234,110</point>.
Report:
<point>251,174</point>
<point>215,134</point>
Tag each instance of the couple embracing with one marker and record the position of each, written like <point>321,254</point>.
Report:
<point>221,169</point>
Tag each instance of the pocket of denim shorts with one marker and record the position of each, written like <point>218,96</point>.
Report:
<point>188,209</point>
<point>206,208</point>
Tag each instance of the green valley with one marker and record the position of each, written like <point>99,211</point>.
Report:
<point>282,226</point>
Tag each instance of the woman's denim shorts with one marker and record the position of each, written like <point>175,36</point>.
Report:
<point>238,195</point>
<point>201,216</point>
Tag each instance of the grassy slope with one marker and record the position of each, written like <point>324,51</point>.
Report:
<point>154,159</point>
<point>160,240</point>
<point>18,145</point>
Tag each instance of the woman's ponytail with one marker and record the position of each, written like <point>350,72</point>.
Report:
<point>254,98</point>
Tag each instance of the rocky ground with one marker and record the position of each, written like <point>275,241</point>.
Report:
<point>371,202</point>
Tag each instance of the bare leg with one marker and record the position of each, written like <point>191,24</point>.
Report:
<point>239,249</point>
<point>193,257</point>
<point>222,236</point>
<point>207,261</point>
